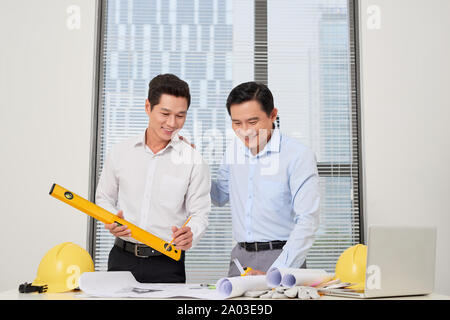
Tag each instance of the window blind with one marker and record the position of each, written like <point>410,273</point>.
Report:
<point>311,72</point>
<point>192,39</point>
<point>214,45</point>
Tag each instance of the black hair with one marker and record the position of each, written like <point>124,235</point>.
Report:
<point>168,84</point>
<point>248,91</point>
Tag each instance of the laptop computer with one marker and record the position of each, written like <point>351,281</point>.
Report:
<point>400,262</point>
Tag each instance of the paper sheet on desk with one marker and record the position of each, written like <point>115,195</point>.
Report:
<point>290,277</point>
<point>122,284</point>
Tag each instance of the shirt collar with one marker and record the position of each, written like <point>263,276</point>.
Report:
<point>175,142</point>
<point>273,145</point>
<point>140,139</point>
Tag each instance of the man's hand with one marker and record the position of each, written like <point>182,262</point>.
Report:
<point>185,140</point>
<point>182,237</point>
<point>116,230</point>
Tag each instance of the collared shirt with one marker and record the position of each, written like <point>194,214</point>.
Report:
<point>273,195</point>
<point>156,191</point>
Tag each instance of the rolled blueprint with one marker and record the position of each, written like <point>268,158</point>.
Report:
<point>237,286</point>
<point>290,277</point>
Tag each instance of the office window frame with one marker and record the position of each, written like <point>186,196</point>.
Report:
<point>353,170</point>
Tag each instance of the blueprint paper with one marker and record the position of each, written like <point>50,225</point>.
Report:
<point>290,277</point>
<point>237,286</point>
<point>122,284</point>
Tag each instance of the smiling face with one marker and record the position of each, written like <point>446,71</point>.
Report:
<point>166,118</point>
<point>252,124</point>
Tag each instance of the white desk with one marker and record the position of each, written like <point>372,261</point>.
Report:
<point>14,294</point>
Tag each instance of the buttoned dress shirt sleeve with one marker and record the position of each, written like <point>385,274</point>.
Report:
<point>305,192</point>
<point>219,188</point>
<point>198,200</point>
<point>106,195</point>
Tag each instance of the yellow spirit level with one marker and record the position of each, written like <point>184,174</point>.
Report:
<point>107,217</point>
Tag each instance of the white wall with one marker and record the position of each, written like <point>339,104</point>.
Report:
<point>406,117</point>
<point>46,81</point>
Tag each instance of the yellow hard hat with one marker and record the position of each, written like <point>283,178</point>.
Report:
<point>62,266</point>
<point>351,266</point>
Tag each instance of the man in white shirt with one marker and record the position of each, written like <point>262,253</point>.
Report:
<point>156,182</point>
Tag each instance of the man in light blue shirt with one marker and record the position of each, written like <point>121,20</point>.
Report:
<point>272,184</point>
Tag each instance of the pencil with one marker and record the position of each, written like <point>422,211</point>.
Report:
<point>184,224</point>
